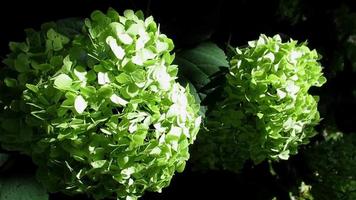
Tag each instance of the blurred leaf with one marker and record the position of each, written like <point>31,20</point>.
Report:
<point>3,158</point>
<point>21,188</point>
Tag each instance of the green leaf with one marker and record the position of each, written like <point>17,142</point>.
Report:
<point>11,125</point>
<point>33,88</point>
<point>10,82</point>
<point>139,77</point>
<point>105,91</point>
<point>22,63</point>
<point>70,27</point>
<point>67,65</point>
<point>55,40</point>
<point>44,66</point>
<point>139,137</point>
<point>132,90</point>
<point>200,63</point>
<point>123,78</point>
<point>63,82</point>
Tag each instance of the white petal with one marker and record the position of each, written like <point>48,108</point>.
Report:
<point>103,78</point>
<point>281,94</point>
<point>118,100</point>
<point>125,38</point>
<point>294,55</point>
<point>116,49</point>
<point>80,104</point>
<point>292,88</point>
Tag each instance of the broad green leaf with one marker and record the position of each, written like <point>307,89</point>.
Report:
<point>200,63</point>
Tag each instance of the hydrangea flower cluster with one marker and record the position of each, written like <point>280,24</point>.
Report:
<point>266,112</point>
<point>97,106</point>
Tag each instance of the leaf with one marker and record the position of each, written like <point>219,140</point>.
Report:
<point>139,137</point>
<point>200,63</point>
<point>22,63</point>
<point>11,125</point>
<point>21,188</point>
<point>80,104</point>
<point>10,82</point>
<point>44,66</point>
<point>123,78</point>
<point>56,40</point>
<point>139,77</point>
<point>70,27</point>
<point>105,91</point>
<point>63,82</point>
<point>67,64</point>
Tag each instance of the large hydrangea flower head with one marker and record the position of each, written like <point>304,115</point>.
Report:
<point>99,106</point>
<point>266,111</point>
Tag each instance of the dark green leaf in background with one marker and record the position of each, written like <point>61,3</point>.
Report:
<point>21,188</point>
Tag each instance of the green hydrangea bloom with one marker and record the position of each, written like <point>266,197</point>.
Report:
<point>97,107</point>
<point>266,111</point>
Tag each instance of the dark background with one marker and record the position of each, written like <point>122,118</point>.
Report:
<point>223,22</point>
